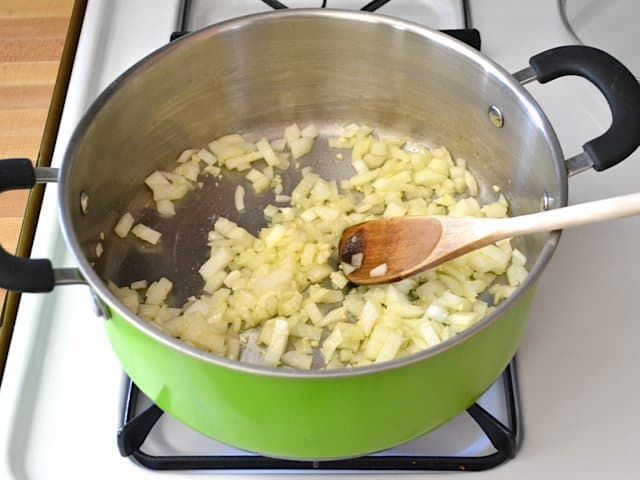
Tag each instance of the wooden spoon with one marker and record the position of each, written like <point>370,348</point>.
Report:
<point>399,247</point>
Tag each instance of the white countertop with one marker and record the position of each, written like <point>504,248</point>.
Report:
<point>577,362</point>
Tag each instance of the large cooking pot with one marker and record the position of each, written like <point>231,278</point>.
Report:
<point>258,74</point>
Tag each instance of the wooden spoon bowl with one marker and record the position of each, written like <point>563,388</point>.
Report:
<point>395,248</point>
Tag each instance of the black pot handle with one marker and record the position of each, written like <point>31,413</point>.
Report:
<point>617,84</point>
<point>22,274</point>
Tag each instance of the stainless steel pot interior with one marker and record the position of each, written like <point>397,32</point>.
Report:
<point>257,74</point>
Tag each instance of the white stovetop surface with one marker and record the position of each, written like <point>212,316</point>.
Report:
<point>577,363</point>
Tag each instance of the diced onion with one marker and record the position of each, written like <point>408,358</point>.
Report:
<point>278,342</point>
<point>146,233</point>
<point>347,268</point>
<point>338,279</point>
<point>185,156</point>
<point>297,360</point>
<point>218,260</point>
<point>300,146</point>
<point>281,283</point>
<point>267,152</point>
<point>158,291</point>
<point>330,344</point>
<point>166,208</point>
<point>124,225</point>
<point>139,285</point>
<point>310,131</point>
<point>206,156</point>
<point>278,144</point>
<point>378,271</point>
<point>238,198</point>
<point>291,133</point>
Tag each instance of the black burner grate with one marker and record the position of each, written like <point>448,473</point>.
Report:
<point>369,7</point>
<point>468,35</point>
<point>505,439</point>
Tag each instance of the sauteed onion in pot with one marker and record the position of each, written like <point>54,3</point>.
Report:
<point>280,298</point>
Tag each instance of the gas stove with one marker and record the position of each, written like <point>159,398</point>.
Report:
<point>68,410</point>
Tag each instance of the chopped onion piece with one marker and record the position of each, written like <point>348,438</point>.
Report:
<point>156,179</point>
<point>350,130</point>
<point>517,257</point>
<point>213,170</point>
<point>270,211</point>
<point>390,348</point>
<point>310,131</point>
<point>378,271</point>
<point>278,342</point>
<point>267,152</point>
<point>297,360</point>
<point>291,133</point>
<point>148,312</point>
<point>124,225</point>
<point>300,146</point>
<point>278,144</point>
<point>207,157</point>
<point>158,291</point>
<point>259,180</point>
<point>347,268</point>
<point>429,334</point>
<point>369,316</point>
<point>139,285</point>
<point>238,198</point>
<point>219,259</point>
<point>330,344</point>
<point>242,162</point>
<point>471,183</point>
<point>147,234</point>
<point>283,198</point>
<point>338,279</point>
<point>189,170</point>
<point>356,260</point>
<point>314,313</point>
<point>185,156</point>
<point>214,281</point>
<point>516,274</point>
<point>304,330</point>
<point>394,210</point>
<point>166,208</point>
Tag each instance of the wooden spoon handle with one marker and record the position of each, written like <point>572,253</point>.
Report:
<point>572,216</point>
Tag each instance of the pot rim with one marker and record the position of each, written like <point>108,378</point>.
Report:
<point>443,40</point>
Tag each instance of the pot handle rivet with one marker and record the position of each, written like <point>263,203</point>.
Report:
<point>496,117</point>
<point>84,202</point>
<point>545,202</point>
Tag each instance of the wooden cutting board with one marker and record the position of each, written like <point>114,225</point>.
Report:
<point>32,34</point>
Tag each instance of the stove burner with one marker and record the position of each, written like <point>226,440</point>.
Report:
<point>506,440</point>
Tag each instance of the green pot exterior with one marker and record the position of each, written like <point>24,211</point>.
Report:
<point>318,418</point>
